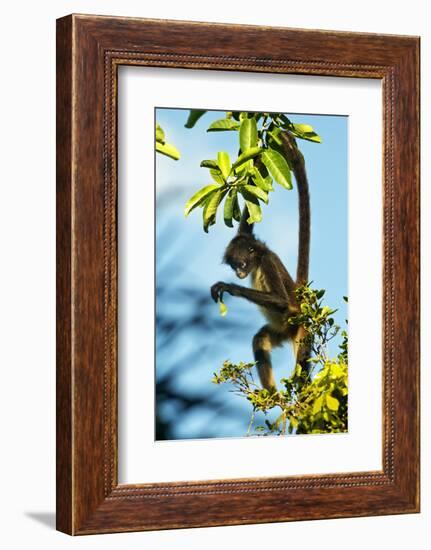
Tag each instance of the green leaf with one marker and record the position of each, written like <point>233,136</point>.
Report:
<point>248,134</point>
<point>214,170</point>
<point>228,207</point>
<point>274,134</point>
<point>305,308</point>
<point>298,370</point>
<point>264,182</point>
<point>223,308</point>
<point>280,419</point>
<point>236,210</point>
<point>244,168</point>
<point>317,407</point>
<point>259,193</point>
<point>223,162</point>
<point>253,206</point>
<point>255,213</point>
<point>336,371</point>
<point>194,116</point>
<point>199,197</point>
<point>285,121</point>
<point>305,131</point>
<point>278,167</point>
<point>210,208</point>
<point>246,156</point>
<point>303,128</point>
<point>160,134</point>
<point>209,164</point>
<point>168,150</point>
<point>312,136</point>
<point>332,403</point>
<point>217,176</point>
<point>223,125</point>
<point>328,311</point>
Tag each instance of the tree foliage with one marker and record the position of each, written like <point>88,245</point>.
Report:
<point>261,161</point>
<point>315,402</point>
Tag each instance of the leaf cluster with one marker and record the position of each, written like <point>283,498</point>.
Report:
<point>261,160</point>
<point>316,318</point>
<point>309,402</point>
<point>321,404</point>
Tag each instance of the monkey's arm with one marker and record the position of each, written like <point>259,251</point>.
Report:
<point>278,299</point>
<point>264,299</point>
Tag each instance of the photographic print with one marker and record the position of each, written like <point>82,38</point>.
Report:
<point>251,273</point>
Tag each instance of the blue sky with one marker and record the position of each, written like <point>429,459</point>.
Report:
<point>186,257</point>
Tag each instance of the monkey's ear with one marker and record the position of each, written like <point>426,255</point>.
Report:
<point>245,228</point>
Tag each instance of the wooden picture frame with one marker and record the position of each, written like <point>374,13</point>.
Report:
<point>89,51</point>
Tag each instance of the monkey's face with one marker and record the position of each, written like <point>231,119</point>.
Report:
<point>241,255</point>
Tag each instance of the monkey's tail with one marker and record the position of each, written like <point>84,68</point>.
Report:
<point>296,161</point>
<point>245,227</point>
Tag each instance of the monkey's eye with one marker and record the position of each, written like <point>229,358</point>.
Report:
<point>251,249</point>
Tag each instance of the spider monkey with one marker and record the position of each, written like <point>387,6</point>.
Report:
<point>273,287</point>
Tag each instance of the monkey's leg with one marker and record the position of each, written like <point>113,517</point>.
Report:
<point>263,343</point>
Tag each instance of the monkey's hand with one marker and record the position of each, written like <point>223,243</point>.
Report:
<point>218,289</point>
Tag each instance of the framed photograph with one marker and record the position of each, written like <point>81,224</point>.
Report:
<point>237,274</point>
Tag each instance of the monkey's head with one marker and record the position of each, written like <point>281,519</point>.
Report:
<point>243,254</point>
